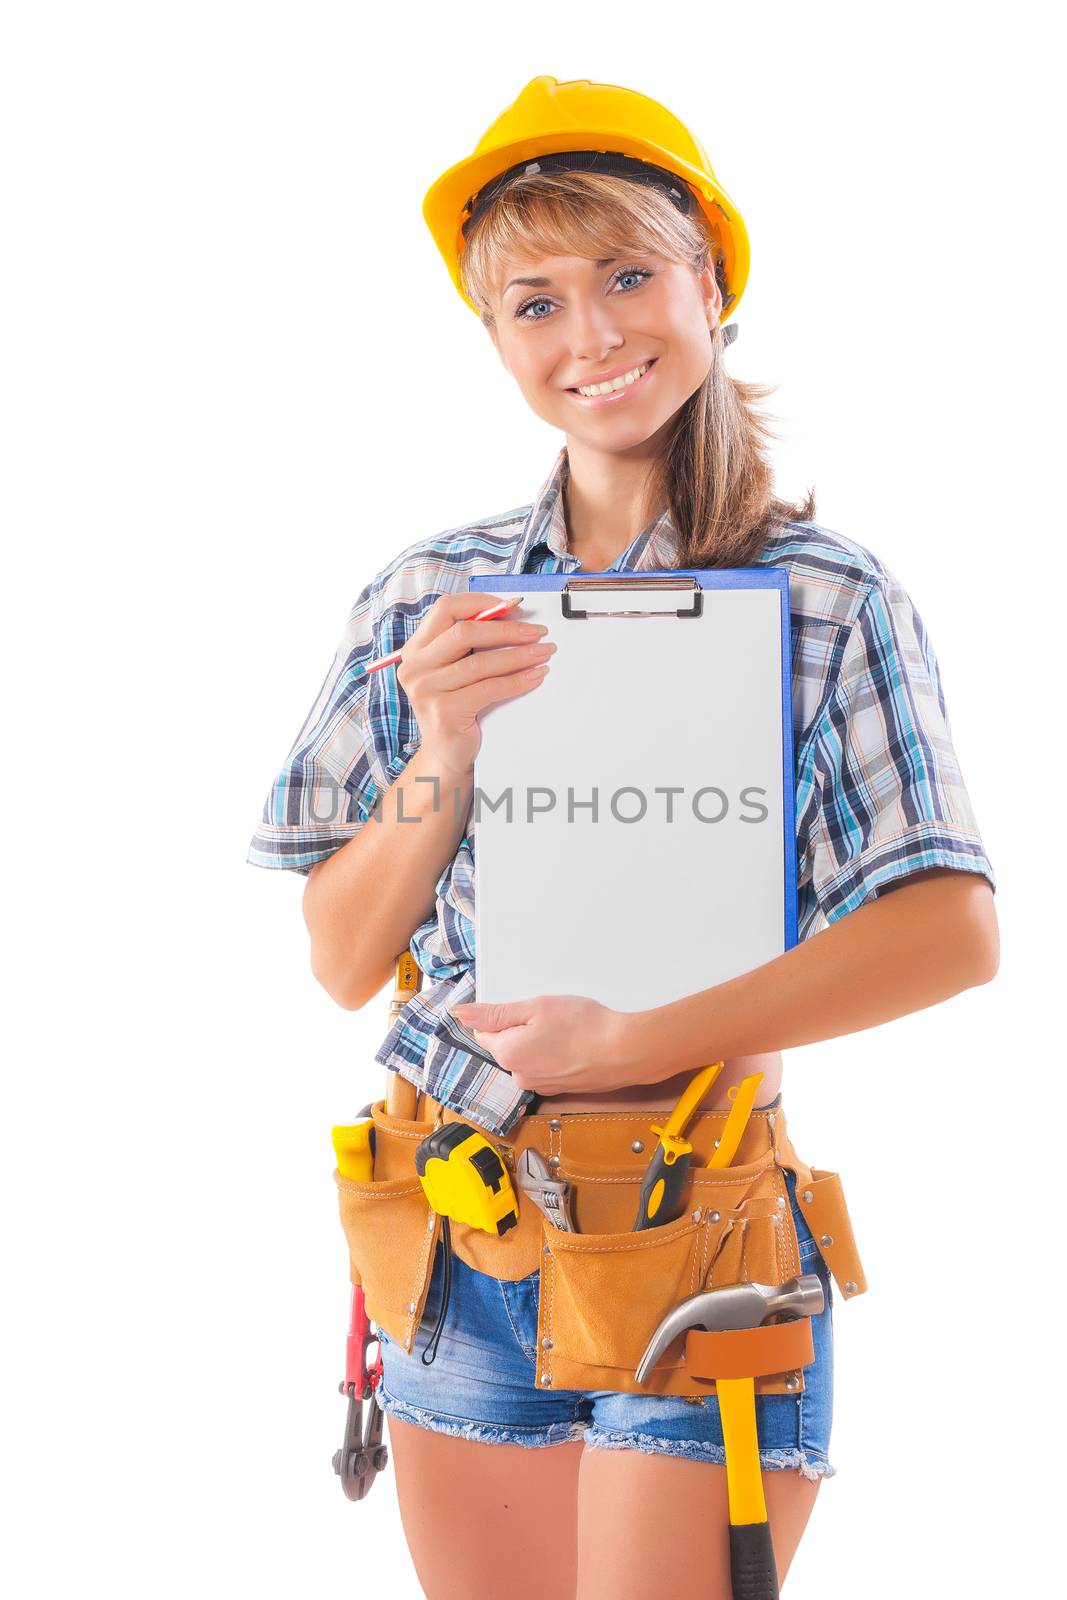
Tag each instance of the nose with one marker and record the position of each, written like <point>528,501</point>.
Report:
<point>592,330</point>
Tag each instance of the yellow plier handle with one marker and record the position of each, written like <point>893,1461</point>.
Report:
<point>663,1185</point>
<point>674,1145</point>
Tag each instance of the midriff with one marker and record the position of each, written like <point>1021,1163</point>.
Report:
<point>664,1094</point>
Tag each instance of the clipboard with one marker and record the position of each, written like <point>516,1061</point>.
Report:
<point>590,877</point>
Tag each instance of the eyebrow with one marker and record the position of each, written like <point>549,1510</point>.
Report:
<point>546,283</point>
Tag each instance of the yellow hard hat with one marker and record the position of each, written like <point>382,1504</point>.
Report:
<point>593,127</point>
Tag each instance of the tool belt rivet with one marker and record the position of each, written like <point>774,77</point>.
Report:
<point>546,1344</point>
<point>714,1216</point>
<point>637,1146</point>
<point>807,1197</point>
<point>411,1307</point>
<point>555,1125</point>
<point>545,1378</point>
<point>548,1249</point>
<point>850,1287</point>
<point>696,1214</point>
<point>430,1220</point>
<point>827,1238</point>
<point>780,1201</point>
<point>553,1161</point>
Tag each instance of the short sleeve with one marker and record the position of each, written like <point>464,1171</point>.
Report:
<point>890,796</point>
<point>356,741</point>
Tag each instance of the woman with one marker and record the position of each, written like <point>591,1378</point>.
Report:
<point>588,232</point>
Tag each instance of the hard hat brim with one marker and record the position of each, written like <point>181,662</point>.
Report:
<point>444,202</point>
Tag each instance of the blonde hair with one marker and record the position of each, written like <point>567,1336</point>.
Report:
<point>713,474</point>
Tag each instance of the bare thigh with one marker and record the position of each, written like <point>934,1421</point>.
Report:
<point>644,1517</point>
<point>498,1520</point>
<point>493,1520</point>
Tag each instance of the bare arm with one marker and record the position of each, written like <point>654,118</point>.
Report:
<point>364,902</point>
<point>932,936</point>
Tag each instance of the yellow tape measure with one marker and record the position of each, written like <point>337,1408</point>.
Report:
<point>465,1178</point>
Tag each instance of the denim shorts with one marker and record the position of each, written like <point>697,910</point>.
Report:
<point>481,1383</point>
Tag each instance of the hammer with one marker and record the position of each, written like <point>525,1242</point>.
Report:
<point>736,1306</point>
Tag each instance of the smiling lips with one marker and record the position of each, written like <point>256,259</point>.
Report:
<point>619,384</point>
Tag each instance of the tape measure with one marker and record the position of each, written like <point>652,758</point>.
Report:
<point>465,1178</point>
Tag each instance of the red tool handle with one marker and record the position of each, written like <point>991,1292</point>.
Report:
<point>359,1378</point>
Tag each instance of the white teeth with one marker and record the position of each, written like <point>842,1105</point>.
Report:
<point>616,383</point>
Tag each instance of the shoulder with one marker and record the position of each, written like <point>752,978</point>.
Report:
<point>830,575</point>
<point>442,562</point>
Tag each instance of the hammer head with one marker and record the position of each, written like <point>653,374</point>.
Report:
<point>736,1305</point>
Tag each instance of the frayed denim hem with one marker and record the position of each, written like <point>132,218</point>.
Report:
<point>483,1432</point>
<point>700,1450</point>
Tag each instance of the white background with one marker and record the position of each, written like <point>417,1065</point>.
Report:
<point>237,381</point>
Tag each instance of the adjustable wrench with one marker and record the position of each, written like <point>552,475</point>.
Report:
<point>552,1195</point>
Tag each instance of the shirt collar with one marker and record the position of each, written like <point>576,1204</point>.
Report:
<point>656,546</point>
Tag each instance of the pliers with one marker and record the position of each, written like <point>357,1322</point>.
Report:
<point>662,1195</point>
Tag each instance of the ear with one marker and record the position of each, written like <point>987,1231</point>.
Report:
<point>711,294</point>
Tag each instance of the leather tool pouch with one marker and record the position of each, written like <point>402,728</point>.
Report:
<point>390,1228</point>
<point>604,1290</point>
<point>604,1293</point>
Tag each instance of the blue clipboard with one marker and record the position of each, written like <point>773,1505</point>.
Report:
<point>664,682</point>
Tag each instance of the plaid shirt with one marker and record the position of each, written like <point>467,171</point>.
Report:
<point>879,792</point>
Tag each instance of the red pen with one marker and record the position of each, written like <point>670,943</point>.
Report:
<point>483,616</point>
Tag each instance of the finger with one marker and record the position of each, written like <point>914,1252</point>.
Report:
<point>464,636</point>
<point>489,691</point>
<point>489,664</point>
<point>448,609</point>
<point>493,1015</point>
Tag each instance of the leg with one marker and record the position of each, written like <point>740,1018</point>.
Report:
<point>494,1520</point>
<point>655,1524</point>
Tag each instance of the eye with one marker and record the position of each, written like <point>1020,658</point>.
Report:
<point>527,304</point>
<point>641,273</point>
<point>635,272</point>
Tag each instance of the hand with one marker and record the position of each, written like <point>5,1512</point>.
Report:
<point>553,1044</point>
<point>453,667</point>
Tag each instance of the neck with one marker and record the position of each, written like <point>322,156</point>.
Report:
<point>607,501</point>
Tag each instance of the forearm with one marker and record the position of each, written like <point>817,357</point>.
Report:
<point>911,948</point>
<point>363,903</point>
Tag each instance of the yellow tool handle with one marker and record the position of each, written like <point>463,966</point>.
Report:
<point>736,1122</point>
<point>353,1145</point>
<point>752,1565</point>
<point>691,1097</point>
<point>674,1145</point>
<point>753,1569</point>
<point>663,1185</point>
<point>744,1481</point>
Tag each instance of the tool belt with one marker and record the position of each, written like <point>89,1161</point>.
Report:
<point>605,1288</point>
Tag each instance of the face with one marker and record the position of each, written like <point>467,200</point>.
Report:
<point>584,322</point>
